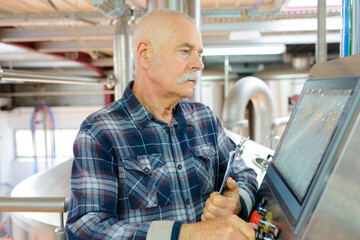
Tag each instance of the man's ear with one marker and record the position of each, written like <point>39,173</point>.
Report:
<point>144,53</point>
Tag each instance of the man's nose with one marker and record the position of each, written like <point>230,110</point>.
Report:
<point>197,63</point>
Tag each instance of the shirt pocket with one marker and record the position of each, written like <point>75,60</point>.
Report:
<point>204,163</point>
<point>147,181</point>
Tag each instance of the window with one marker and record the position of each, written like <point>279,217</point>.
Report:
<point>64,139</point>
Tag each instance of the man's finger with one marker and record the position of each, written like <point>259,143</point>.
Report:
<point>216,199</point>
<point>216,211</point>
<point>231,184</point>
<point>247,230</point>
<point>232,189</point>
<point>253,225</point>
<point>208,215</point>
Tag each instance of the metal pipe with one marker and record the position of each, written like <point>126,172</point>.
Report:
<point>123,60</point>
<point>255,90</point>
<point>38,204</point>
<point>55,93</point>
<point>59,234</point>
<point>154,4</point>
<point>25,76</point>
<point>45,139</point>
<point>345,28</point>
<point>321,47</point>
<point>356,27</point>
<point>34,204</point>
<point>226,76</point>
<point>61,220</point>
<point>177,5</point>
<point>193,9</point>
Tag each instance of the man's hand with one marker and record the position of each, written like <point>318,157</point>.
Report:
<point>223,205</point>
<point>222,228</point>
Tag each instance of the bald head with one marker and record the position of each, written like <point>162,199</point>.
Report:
<point>156,27</point>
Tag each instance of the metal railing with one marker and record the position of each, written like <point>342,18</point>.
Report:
<point>7,75</point>
<point>38,204</point>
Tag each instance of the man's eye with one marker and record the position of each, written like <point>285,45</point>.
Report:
<point>184,52</point>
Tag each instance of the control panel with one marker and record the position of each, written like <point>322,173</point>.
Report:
<point>266,230</point>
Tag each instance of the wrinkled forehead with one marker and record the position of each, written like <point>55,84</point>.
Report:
<point>177,30</point>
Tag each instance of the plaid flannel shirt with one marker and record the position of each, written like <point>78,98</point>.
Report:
<point>136,177</point>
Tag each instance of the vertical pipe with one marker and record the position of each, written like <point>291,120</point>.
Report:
<point>123,60</point>
<point>356,27</point>
<point>177,5</point>
<point>226,76</point>
<point>1,137</point>
<point>62,220</point>
<point>321,48</point>
<point>59,233</point>
<point>154,4</point>
<point>193,9</point>
<point>344,51</point>
<point>46,142</point>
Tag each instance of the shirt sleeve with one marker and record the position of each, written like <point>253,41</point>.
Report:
<point>244,176</point>
<point>94,196</point>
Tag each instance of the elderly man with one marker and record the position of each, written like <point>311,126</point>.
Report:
<point>148,165</point>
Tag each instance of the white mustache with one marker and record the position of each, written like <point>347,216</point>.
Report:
<point>189,76</point>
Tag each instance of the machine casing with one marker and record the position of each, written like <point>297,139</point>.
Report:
<point>330,208</point>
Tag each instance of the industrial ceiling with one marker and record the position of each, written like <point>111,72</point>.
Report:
<point>73,37</point>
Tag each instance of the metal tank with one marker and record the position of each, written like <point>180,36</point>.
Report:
<point>255,90</point>
<point>285,81</point>
<point>213,88</point>
<point>44,191</point>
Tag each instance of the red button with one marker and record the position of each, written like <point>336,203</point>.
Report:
<point>255,218</point>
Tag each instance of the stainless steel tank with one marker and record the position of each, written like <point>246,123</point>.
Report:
<point>54,182</point>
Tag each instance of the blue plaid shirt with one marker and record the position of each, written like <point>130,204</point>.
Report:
<point>134,177</point>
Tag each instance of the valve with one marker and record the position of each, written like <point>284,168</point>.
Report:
<point>267,230</point>
<point>262,211</point>
<point>263,236</point>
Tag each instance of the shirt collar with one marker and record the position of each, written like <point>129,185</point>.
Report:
<point>180,119</point>
<point>141,116</point>
<point>137,112</point>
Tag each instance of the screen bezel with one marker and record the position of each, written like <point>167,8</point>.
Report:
<point>292,208</point>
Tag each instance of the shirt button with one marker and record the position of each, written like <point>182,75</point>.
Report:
<point>179,167</point>
<point>187,201</point>
<point>146,170</point>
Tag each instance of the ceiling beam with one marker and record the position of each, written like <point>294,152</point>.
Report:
<point>282,25</point>
<point>73,46</point>
<point>50,34</point>
<point>41,64</point>
<point>107,32</point>
<point>290,38</point>
<point>24,55</point>
<point>53,18</point>
<point>107,45</point>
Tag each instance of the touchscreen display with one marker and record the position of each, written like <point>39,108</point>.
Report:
<point>312,125</point>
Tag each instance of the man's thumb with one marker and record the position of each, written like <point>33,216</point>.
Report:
<point>232,186</point>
